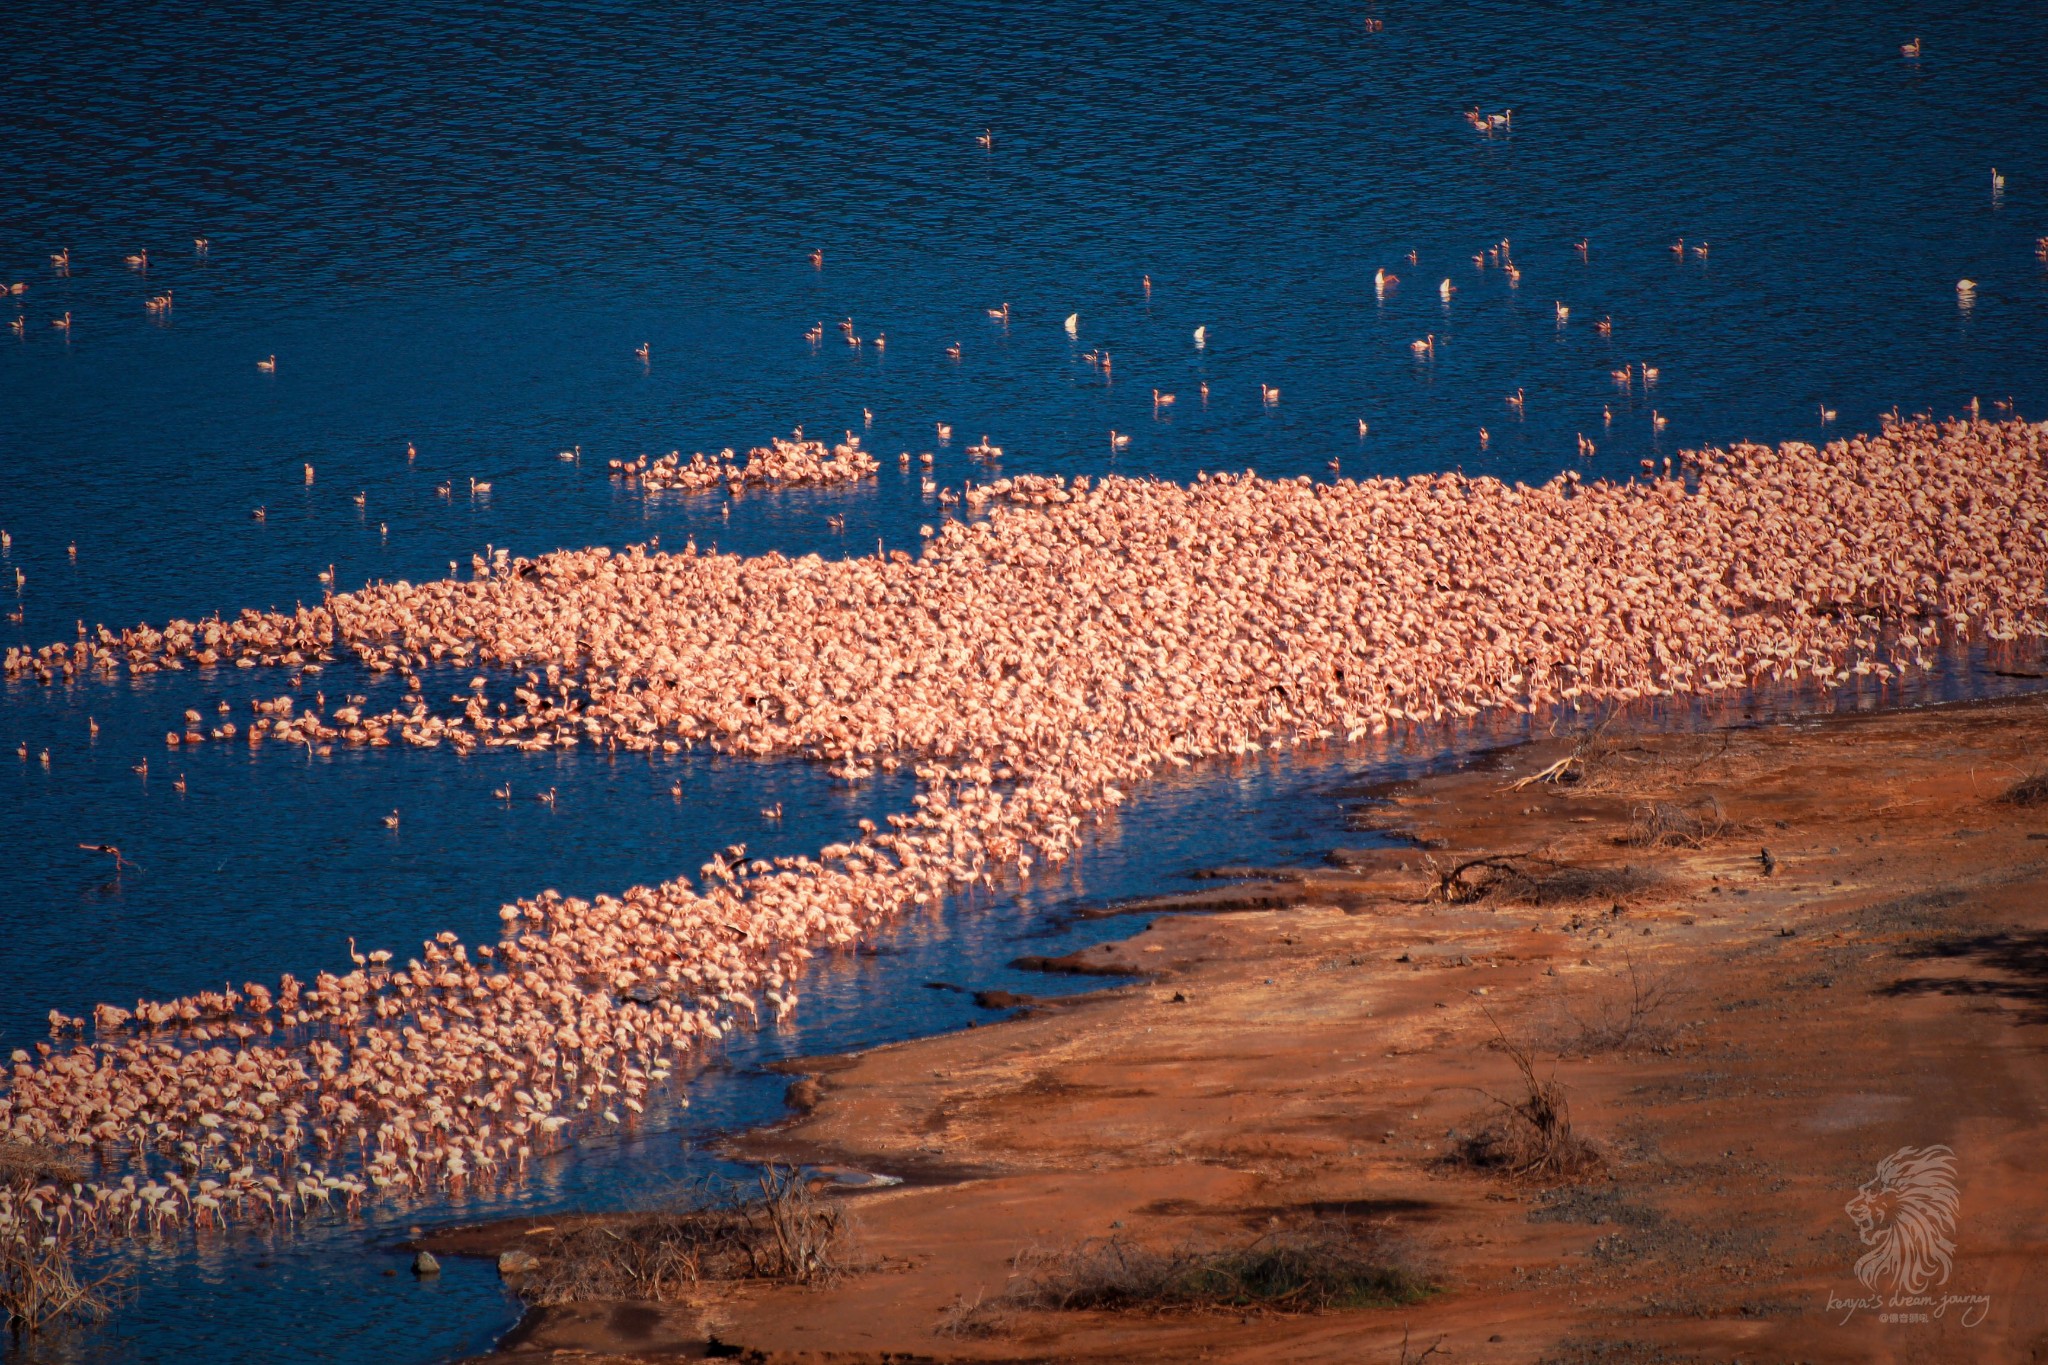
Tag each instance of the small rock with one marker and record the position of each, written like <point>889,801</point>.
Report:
<point>516,1262</point>
<point>425,1264</point>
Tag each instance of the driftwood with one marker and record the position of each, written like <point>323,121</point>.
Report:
<point>1570,768</point>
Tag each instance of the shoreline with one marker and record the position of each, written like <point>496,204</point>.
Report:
<point>1000,665</point>
<point>1322,1050</point>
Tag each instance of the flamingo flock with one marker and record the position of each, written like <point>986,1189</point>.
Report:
<point>1053,646</point>
<point>780,463</point>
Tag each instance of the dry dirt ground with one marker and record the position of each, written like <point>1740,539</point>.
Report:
<point>1743,1036</point>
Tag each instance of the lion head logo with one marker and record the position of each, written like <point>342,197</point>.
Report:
<point>1906,1215</point>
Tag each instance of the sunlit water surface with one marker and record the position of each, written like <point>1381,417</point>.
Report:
<point>453,224</point>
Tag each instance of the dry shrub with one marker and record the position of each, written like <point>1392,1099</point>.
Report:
<point>1593,753</point>
<point>1661,824</point>
<point>1529,1135</point>
<point>2031,790</point>
<point>1309,1270</point>
<point>25,1164</point>
<point>39,1284</point>
<point>1623,1018</point>
<point>1563,884</point>
<point>779,1229</point>
<point>977,1318</point>
<point>1531,880</point>
<point>1450,885</point>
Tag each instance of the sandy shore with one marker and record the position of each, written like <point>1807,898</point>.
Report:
<point>1319,1045</point>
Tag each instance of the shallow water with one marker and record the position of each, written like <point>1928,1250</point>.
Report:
<point>452,225</point>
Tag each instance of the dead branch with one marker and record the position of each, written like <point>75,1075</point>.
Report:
<point>1567,769</point>
<point>1450,887</point>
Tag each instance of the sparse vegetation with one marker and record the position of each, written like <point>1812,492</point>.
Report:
<point>39,1282</point>
<point>978,1317</point>
<point>2031,790</point>
<point>1528,1136</point>
<point>778,1229</point>
<point>1531,879</point>
<point>1450,885</point>
<point>1409,1357</point>
<point>1628,1016</point>
<point>1662,824</point>
<point>1310,1270</point>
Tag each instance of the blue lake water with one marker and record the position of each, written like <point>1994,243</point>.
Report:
<point>452,225</point>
